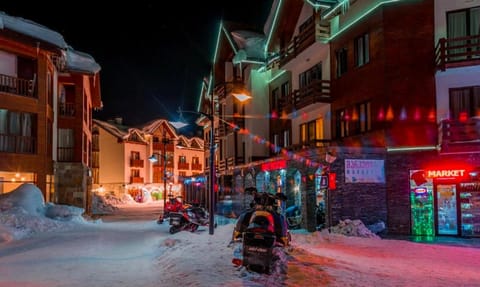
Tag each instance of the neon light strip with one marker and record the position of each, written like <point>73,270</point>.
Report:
<point>267,43</point>
<point>334,8</point>
<point>252,62</point>
<point>200,98</point>
<point>361,17</point>
<point>412,148</point>
<point>316,6</point>
<point>276,76</point>
<point>218,43</point>
<point>227,34</point>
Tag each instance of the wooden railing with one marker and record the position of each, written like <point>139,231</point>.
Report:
<point>67,109</point>
<point>17,86</point>
<point>136,163</point>
<point>312,30</point>
<point>457,52</point>
<point>318,91</point>
<point>17,144</point>
<point>65,154</point>
<point>134,179</point>
<point>183,165</point>
<point>459,136</point>
<point>196,166</point>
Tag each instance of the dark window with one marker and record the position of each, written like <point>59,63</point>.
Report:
<point>341,56</point>
<point>362,54</point>
<point>464,102</point>
<point>314,73</point>
<point>17,132</point>
<point>275,99</point>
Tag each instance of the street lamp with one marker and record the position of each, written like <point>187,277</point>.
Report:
<point>211,189</point>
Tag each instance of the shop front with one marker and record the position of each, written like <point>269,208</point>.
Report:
<point>445,202</point>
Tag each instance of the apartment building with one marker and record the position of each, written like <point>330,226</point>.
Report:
<point>372,112</point>
<point>41,137</point>
<point>149,160</point>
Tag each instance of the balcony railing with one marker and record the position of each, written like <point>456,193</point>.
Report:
<point>312,30</point>
<point>17,144</point>
<point>67,109</point>
<point>459,136</point>
<point>17,86</point>
<point>183,165</point>
<point>65,154</point>
<point>318,91</point>
<point>135,179</point>
<point>196,166</point>
<point>136,162</point>
<point>457,52</point>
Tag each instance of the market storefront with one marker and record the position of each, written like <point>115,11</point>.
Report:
<point>445,201</point>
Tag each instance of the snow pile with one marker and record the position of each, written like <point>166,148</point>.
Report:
<point>107,203</point>
<point>355,227</point>
<point>23,212</point>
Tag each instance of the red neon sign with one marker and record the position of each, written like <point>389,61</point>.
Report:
<point>274,165</point>
<point>442,173</point>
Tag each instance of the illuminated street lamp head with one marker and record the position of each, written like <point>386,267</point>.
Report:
<point>153,159</point>
<point>241,95</point>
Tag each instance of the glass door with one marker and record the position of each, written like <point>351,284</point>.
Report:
<point>447,209</point>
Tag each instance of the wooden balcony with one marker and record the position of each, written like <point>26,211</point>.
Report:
<point>159,146</point>
<point>66,109</point>
<point>312,30</point>
<point>134,179</point>
<point>318,91</point>
<point>457,52</point>
<point>17,86</point>
<point>459,136</point>
<point>183,165</point>
<point>136,163</point>
<point>197,166</point>
<point>65,154</point>
<point>17,144</point>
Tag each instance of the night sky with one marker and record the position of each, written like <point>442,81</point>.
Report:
<point>153,54</point>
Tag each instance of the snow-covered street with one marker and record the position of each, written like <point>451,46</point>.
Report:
<point>34,252</point>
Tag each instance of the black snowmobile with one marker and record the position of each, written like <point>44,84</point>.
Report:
<point>259,231</point>
<point>189,218</point>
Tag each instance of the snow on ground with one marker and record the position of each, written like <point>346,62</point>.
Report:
<point>145,254</point>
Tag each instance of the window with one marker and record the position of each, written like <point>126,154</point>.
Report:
<point>135,172</point>
<point>182,159</point>
<point>464,102</point>
<point>311,132</point>
<point>353,120</point>
<point>341,57</point>
<point>285,89</point>
<point>275,99</point>
<point>65,145</point>
<point>135,155</point>
<point>362,54</point>
<point>195,160</point>
<point>310,75</point>
<point>286,138</point>
<point>463,23</point>
<point>17,131</point>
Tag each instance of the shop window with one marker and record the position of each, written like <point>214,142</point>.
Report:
<point>465,101</point>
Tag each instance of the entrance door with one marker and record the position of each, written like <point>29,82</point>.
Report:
<point>447,209</point>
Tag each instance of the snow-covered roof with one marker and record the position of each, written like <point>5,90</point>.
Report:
<point>118,131</point>
<point>194,142</point>
<point>250,44</point>
<point>81,62</point>
<point>32,29</point>
<point>152,126</point>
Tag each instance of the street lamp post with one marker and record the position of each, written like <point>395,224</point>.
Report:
<point>165,141</point>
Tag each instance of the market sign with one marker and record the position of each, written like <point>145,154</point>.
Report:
<point>364,171</point>
<point>443,173</point>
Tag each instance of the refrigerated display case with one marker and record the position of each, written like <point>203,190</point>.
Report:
<point>470,209</point>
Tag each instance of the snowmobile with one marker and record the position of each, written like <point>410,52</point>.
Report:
<point>294,217</point>
<point>172,205</point>
<point>259,232</point>
<point>189,218</point>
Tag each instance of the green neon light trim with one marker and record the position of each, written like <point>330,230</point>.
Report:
<point>361,17</point>
<point>252,62</point>
<point>274,23</point>
<point>411,148</point>
<point>227,34</point>
<point>334,8</point>
<point>210,80</point>
<point>218,43</point>
<point>276,76</point>
<point>316,6</point>
<point>200,98</point>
